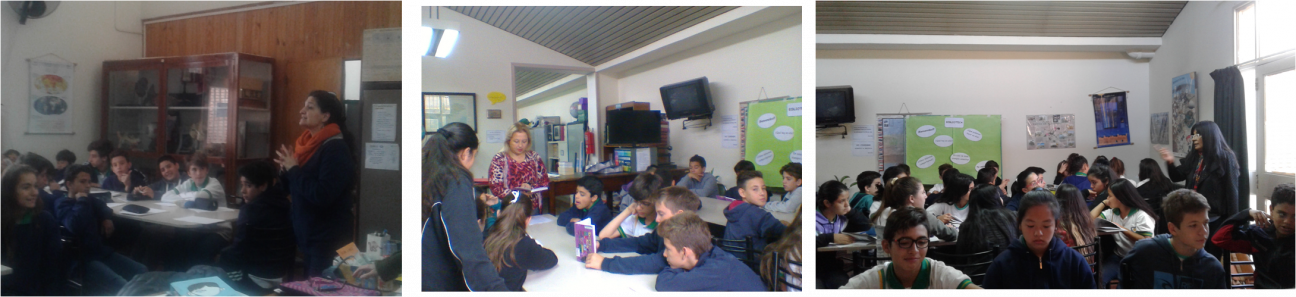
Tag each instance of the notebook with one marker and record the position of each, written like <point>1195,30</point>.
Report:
<point>207,286</point>
<point>585,237</point>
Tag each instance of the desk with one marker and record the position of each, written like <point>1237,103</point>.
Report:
<point>5,270</point>
<point>169,217</point>
<point>571,274</point>
<point>566,185</point>
<point>713,212</point>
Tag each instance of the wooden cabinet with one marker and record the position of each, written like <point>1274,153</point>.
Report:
<point>218,104</point>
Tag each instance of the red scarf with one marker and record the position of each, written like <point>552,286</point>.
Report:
<point>307,143</point>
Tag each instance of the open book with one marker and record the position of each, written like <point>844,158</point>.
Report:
<point>585,238</point>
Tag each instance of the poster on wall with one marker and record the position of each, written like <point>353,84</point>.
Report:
<point>1183,112</point>
<point>771,135</point>
<point>50,97</point>
<point>1161,128</point>
<point>966,142</point>
<point>1111,119</point>
<point>1050,131</point>
<point>891,141</point>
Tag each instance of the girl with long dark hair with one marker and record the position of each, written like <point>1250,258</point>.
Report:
<point>1127,210</point>
<point>1100,177</point>
<point>453,256</point>
<point>952,207</point>
<point>510,248</point>
<point>988,227</point>
<point>1153,185</point>
<point>31,243</point>
<point>1075,227</point>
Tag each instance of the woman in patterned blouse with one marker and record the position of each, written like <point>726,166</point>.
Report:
<point>517,166</point>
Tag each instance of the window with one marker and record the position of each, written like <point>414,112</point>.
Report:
<point>1263,29</point>
<point>351,80</point>
<point>1264,52</point>
<point>1280,90</point>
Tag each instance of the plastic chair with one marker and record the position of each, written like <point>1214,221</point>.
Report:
<point>1092,258</point>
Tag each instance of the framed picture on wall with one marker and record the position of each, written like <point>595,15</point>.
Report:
<point>440,109</point>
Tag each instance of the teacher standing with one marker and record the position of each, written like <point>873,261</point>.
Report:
<point>454,258</point>
<point>1210,169</point>
<point>319,171</point>
<point>517,166</point>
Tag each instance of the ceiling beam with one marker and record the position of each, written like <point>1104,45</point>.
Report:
<point>985,43</point>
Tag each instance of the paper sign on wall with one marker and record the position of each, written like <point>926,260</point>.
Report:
<point>953,122</point>
<point>384,122</point>
<point>729,131</point>
<point>794,109</point>
<point>383,156</point>
<point>494,136</point>
<point>863,140</point>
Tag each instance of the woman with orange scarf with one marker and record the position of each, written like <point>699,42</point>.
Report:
<point>319,172</point>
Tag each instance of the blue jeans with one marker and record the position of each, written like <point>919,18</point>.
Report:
<point>107,276</point>
<point>1111,269</point>
<point>316,263</point>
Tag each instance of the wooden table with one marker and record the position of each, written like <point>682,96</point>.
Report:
<point>713,211</point>
<point>566,185</point>
<point>570,274</point>
<point>172,213</point>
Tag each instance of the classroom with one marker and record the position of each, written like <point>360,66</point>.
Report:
<point>1077,129</point>
<point>201,148</point>
<point>573,133</point>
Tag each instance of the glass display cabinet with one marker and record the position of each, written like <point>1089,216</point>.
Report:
<point>218,105</point>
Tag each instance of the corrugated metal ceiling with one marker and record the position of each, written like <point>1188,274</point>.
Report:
<point>999,18</point>
<point>525,81</point>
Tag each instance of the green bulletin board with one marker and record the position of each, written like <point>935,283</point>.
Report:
<point>771,135</point>
<point>965,141</point>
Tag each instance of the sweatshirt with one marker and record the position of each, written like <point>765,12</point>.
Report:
<point>745,220</point>
<point>35,257</point>
<point>1273,255</point>
<point>84,218</point>
<point>716,270</point>
<point>528,255</point>
<point>453,256</point>
<point>650,246</point>
<point>1018,268</point>
<point>597,213</point>
<point>791,200</point>
<point>1154,264</point>
<point>111,183</point>
<point>707,187</point>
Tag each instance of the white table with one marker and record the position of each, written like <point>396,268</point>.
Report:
<point>169,217</point>
<point>5,270</point>
<point>570,274</point>
<point>713,212</point>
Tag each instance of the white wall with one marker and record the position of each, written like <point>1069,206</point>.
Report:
<point>738,66</point>
<point>171,8</point>
<point>482,63</point>
<point>1200,40</point>
<point>559,105</point>
<point>82,32</point>
<point>1011,84</point>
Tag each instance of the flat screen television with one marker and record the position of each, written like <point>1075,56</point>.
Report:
<point>689,99</point>
<point>834,105</point>
<point>632,127</point>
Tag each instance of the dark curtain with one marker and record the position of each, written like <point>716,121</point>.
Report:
<point>1230,115</point>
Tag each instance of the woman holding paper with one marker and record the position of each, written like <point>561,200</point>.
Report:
<point>517,166</point>
<point>319,171</point>
<point>454,258</point>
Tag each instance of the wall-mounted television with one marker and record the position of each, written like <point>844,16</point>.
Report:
<point>688,99</point>
<point>633,127</point>
<point>834,105</point>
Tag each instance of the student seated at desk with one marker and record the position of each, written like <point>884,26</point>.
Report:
<point>788,249</point>
<point>263,225</point>
<point>32,246</point>
<point>905,238</point>
<point>702,183</point>
<point>90,221</point>
<point>1269,240</point>
<point>1078,173</point>
<point>743,165</point>
<point>671,201</point>
<point>199,184</point>
<point>1038,260</point>
<point>1125,209</point>
<point>989,227</point>
<point>62,160</point>
<point>830,220</point>
<point>124,177</point>
<point>952,207</point>
<point>791,174</point>
<point>99,151</point>
<point>908,191</point>
<point>1176,260</point>
<point>586,205</point>
<point>509,246</point>
<point>637,218</point>
<point>697,265</point>
<point>865,202</point>
<point>171,178</point>
<point>747,218</point>
<point>44,173</point>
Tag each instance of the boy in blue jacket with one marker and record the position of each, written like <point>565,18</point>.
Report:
<point>586,204</point>
<point>748,217</point>
<point>124,177</point>
<point>697,265</point>
<point>1176,260</point>
<point>671,201</point>
<point>90,221</point>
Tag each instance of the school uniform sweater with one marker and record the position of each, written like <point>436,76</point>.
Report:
<point>1219,188</point>
<point>528,255</point>
<point>161,187</point>
<point>1080,180</point>
<point>858,218</point>
<point>321,205</point>
<point>745,219</point>
<point>598,214</point>
<point>1154,264</point>
<point>50,200</point>
<point>716,270</point>
<point>453,256</point>
<point>268,211</point>
<point>112,183</point>
<point>649,246</point>
<point>827,267</point>
<point>707,187</point>
<point>790,202</point>
<point>34,257</point>
<point>1059,268</point>
<point>190,189</point>
<point>84,217</point>
<point>1273,255</point>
